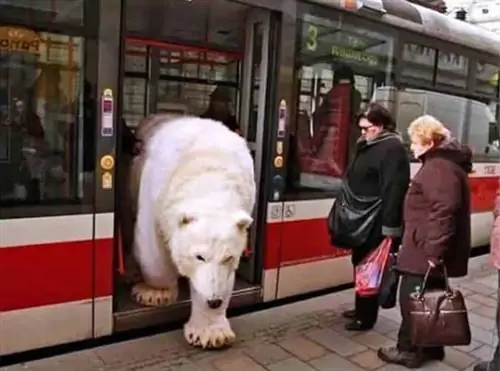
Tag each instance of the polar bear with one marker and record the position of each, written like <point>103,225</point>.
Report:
<point>195,193</point>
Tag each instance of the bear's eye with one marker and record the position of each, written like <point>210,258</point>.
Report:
<point>228,260</point>
<point>200,258</point>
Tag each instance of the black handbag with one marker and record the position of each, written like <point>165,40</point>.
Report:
<point>390,282</point>
<point>352,218</point>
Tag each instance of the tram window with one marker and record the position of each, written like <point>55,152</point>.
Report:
<point>185,77</point>
<point>418,68</point>
<point>190,76</point>
<point>452,70</point>
<point>134,100</point>
<point>468,120</point>
<point>487,79</point>
<point>43,105</point>
<point>338,65</point>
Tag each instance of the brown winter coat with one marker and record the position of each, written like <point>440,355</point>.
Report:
<point>437,212</point>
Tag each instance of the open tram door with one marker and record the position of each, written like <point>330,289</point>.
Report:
<point>168,74</point>
<point>253,114</point>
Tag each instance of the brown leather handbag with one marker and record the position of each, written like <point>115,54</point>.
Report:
<point>438,317</point>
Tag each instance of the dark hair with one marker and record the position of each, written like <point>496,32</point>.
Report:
<point>343,72</point>
<point>378,115</point>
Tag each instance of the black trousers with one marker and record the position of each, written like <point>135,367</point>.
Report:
<point>409,284</point>
<point>367,309</point>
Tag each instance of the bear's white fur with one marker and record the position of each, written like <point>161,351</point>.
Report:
<point>196,195</point>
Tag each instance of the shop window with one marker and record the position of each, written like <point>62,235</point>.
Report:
<point>339,64</point>
<point>44,102</point>
<point>68,12</point>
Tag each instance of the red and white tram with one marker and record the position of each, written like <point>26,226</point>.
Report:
<point>72,72</point>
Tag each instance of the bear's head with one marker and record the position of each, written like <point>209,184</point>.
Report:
<point>206,248</point>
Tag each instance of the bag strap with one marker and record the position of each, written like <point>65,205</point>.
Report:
<point>426,278</point>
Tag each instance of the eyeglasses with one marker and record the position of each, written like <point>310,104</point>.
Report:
<point>365,128</point>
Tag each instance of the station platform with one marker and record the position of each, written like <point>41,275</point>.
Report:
<point>303,336</point>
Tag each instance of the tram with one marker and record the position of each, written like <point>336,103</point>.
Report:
<point>74,75</point>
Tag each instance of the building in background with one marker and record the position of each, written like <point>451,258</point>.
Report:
<point>486,14</point>
<point>438,5</point>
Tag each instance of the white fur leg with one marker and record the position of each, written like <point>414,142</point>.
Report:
<point>160,275</point>
<point>149,296</point>
<point>157,289</point>
<point>209,328</point>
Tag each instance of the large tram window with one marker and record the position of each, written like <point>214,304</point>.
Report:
<point>418,68</point>
<point>452,70</point>
<point>487,85</point>
<point>472,121</point>
<point>190,77</point>
<point>469,120</point>
<point>338,66</point>
<point>43,104</point>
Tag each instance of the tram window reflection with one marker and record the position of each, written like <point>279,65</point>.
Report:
<point>339,65</point>
<point>471,121</point>
<point>41,116</point>
<point>44,11</point>
<point>184,76</point>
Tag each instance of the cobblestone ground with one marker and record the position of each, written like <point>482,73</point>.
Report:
<point>299,337</point>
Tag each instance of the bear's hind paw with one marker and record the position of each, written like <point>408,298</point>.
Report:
<point>153,297</point>
<point>211,337</point>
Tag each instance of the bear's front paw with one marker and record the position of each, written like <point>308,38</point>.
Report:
<point>213,336</point>
<point>153,297</point>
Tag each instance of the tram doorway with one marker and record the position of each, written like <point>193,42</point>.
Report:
<point>179,57</point>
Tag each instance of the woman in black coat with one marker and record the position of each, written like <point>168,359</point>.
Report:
<point>380,168</point>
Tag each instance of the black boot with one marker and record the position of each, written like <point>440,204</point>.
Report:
<point>358,325</point>
<point>433,354</point>
<point>406,359</point>
<point>349,314</point>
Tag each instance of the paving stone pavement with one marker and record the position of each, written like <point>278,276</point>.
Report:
<point>304,336</point>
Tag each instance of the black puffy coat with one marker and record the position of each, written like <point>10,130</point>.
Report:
<point>381,167</point>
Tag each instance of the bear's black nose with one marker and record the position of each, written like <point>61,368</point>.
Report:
<point>214,303</point>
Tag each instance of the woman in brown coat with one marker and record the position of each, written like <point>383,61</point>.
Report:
<point>436,226</point>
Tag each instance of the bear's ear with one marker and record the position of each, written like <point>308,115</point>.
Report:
<point>185,219</point>
<point>243,220</point>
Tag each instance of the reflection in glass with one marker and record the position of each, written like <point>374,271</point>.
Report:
<point>41,110</point>
<point>50,11</point>
<point>419,66</point>
<point>184,78</point>
<point>487,79</point>
<point>134,100</point>
<point>468,120</point>
<point>339,64</point>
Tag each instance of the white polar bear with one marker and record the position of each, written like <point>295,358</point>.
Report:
<point>195,200</point>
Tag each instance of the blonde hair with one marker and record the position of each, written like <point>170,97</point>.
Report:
<point>428,129</point>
